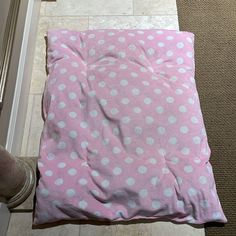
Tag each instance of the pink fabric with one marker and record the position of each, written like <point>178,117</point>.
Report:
<point>124,136</point>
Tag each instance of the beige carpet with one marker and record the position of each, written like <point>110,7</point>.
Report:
<point>214,25</point>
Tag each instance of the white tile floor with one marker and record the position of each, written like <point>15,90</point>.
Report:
<point>82,15</point>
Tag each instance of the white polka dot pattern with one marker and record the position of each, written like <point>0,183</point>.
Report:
<point>123,136</point>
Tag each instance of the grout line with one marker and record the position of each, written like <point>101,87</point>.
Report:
<point>133,6</point>
<point>74,16</point>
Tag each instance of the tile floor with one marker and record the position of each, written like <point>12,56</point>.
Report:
<point>82,15</point>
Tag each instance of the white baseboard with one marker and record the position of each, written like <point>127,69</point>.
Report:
<point>4,219</point>
<point>20,100</point>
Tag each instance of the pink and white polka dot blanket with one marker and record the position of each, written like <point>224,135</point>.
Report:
<point>123,136</point>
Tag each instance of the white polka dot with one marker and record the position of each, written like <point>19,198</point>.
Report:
<point>127,140</point>
<point>150,140</point>
<point>73,134</point>
<point>105,161</point>
<point>93,113</point>
<point>83,204</point>
<point>74,64</point>
<point>103,102</point>
<point>168,192</point>
<point>138,130</point>
<point>147,101</point>
<point>53,39</point>
<point>84,144</point>
<point>216,216</point>
<point>134,75</point>
<point>169,37</point>
<point>63,70</point>
<point>122,54</point>
<point>197,160</point>
<point>92,52</point>
<point>143,193</point>
<point>92,93</point>
<point>137,110</point>
<point>165,170</point>
<point>124,82</point>
<point>112,74</point>
<point>125,101</point>
<point>194,119</point>
<point>156,205</point>
<point>185,151</point>
<point>179,91</point>
<point>51,116</point>
<point>121,39</point>
<point>192,192</point>
<point>114,111</point>
<point>117,171</point>
<point>61,105</point>
<point>95,173</point>
<point>50,156</point>
<point>157,91</point>
<point>196,139</point>
<point>61,87</point>
<point>202,179</point>
<point>105,141</point>
<point>162,151</point>
<point>61,165</point>
<point>159,61</point>
<point>83,181</point>
<point>184,129</point>
<point>44,192</point>
<point>72,114</point>
<point>61,145</point>
<point>172,119</point>
<point>149,120</point>
<point>151,51</point>
<point>182,109</point>
<point>123,67</point>
<point>83,124</point>
<point>204,204</point>
<point>174,160</point>
<point>125,119</point>
<point>130,181</point>
<point>70,192</point>
<point>105,183</point>
<point>139,151</point>
<point>161,130</point>
<point>189,54</point>
<point>49,173</point>
<point>152,161</point>
<point>142,169</point>
<point>135,91</point>
<point>191,101</point>
<point>114,92</point>
<point>155,180</point>
<point>188,169</point>
<point>129,160</point>
<point>59,181</point>
<point>116,150</point>
<point>179,180</point>
<point>95,192</point>
<point>182,70</point>
<point>161,44</point>
<point>180,60</point>
<point>173,140</point>
<point>180,45</point>
<point>180,204</point>
<point>150,37</point>
<point>169,53</point>
<point>170,99</point>
<point>159,109</point>
<point>101,42</point>
<point>72,171</point>
<point>132,204</point>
